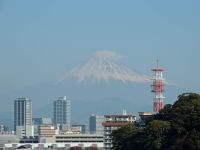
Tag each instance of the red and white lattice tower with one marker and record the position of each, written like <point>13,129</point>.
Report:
<point>157,88</point>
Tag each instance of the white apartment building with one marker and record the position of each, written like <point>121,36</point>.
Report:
<point>114,122</point>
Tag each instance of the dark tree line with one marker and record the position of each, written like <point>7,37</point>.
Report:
<point>175,127</point>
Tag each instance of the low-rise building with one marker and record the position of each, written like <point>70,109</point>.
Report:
<point>44,130</point>
<point>46,133</point>
<point>70,140</point>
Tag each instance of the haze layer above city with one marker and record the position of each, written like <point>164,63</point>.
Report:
<point>97,53</point>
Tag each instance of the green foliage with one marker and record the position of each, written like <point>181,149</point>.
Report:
<point>123,136</point>
<point>156,134</point>
<point>192,140</point>
<point>157,128</point>
<point>175,127</point>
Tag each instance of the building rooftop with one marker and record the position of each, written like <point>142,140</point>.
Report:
<point>116,123</point>
<point>120,115</point>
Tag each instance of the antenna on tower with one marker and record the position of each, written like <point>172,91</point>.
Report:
<point>157,89</point>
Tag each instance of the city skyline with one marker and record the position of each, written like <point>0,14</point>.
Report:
<point>99,74</point>
<point>41,43</point>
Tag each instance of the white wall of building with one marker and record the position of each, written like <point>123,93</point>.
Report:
<point>27,130</point>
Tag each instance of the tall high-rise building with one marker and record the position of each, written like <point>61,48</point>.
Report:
<point>96,124</point>
<point>23,117</point>
<point>62,113</point>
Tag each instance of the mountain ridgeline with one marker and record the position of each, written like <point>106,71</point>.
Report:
<point>175,127</point>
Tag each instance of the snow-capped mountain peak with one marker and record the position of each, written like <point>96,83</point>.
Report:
<point>102,65</point>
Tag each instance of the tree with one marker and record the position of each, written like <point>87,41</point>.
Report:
<point>156,135</point>
<point>192,141</point>
<point>122,138</point>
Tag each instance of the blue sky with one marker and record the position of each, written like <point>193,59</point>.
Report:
<point>41,40</point>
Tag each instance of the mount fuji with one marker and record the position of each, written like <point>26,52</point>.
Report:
<point>100,85</point>
<point>102,66</point>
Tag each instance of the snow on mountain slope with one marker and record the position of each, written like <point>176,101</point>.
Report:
<point>102,65</point>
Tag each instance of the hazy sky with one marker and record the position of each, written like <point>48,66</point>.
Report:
<point>41,40</point>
